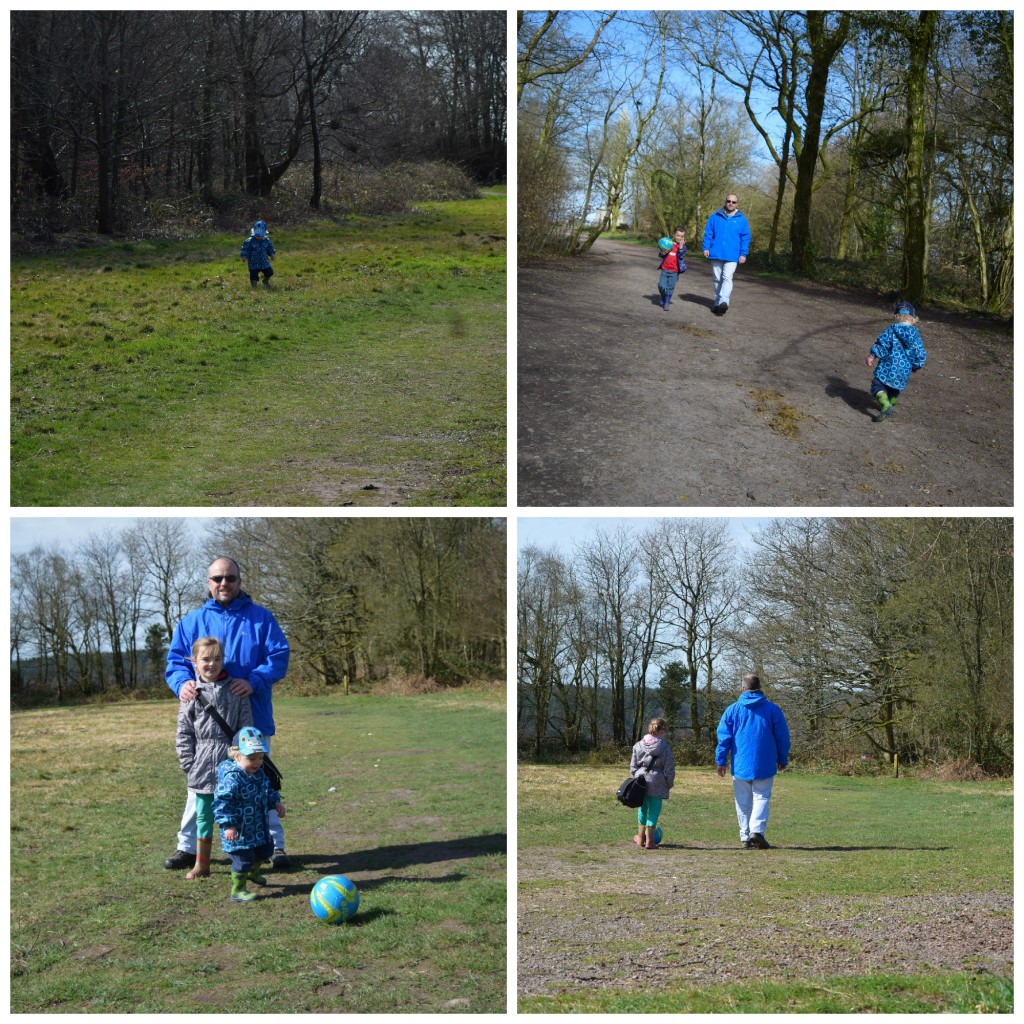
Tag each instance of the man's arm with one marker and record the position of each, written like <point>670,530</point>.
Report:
<point>273,665</point>
<point>781,738</point>
<point>180,674</point>
<point>724,744</point>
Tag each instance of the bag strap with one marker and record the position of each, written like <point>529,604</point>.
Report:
<point>216,716</point>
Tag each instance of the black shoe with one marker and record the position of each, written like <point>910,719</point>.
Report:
<point>280,861</point>
<point>716,309</point>
<point>759,841</point>
<point>181,859</point>
<point>723,309</point>
<point>748,845</point>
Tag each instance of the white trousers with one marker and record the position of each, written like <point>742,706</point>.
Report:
<point>187,829</point>
<point>721,274</point>
<point>752,796</point>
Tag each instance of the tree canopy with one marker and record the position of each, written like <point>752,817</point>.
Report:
<point>883,139</point>
<point>880,638</point>
<point>115,114</point>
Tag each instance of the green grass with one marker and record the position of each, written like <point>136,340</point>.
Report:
<point>900,849</point>
<point>417,821</point>
<point>371,373</point>
<point>953,993</point>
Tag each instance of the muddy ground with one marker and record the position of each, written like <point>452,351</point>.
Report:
<point>693,918</point>
<point>624,404</point>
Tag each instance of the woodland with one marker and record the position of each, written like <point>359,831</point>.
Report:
<point>360,600</point>
<point>866,147</point>
<point>885,641</point>
<point>142,122</point>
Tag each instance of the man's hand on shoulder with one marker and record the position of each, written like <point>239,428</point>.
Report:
<point>240,687</point>
<point>187,692</point>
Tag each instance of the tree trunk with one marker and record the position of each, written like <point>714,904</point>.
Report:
<point>915,248</point>
<point>823,50</point>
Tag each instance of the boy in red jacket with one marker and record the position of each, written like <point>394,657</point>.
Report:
<point>671,267</point>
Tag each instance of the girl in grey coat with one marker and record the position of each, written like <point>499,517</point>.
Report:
<point>652,757</point>
<point>201,742</point>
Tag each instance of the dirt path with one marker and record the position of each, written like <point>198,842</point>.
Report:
<point>689,914</point>
<point>622,403</point>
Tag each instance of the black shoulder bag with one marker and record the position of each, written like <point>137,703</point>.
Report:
<point>269,768</point>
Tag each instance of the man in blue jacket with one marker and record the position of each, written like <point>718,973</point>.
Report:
<point>726,244</point>
<point>754,732</point>
<point>255,655</point>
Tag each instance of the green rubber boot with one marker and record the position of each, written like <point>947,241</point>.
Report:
<point>254,875</point>
<point>884,406</point>
<point>239,893</point>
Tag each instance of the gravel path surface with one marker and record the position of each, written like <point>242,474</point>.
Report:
<point>706,926</point>
<point>623,403</point>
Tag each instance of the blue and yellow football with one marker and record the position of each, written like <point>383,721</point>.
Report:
<point>334,899</point>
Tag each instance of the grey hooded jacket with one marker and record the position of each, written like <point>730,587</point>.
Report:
<point>201,743</point>
<point>653,757</point>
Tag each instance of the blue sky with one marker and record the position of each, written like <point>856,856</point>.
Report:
<point>563,531</point>
<point>53,531</point>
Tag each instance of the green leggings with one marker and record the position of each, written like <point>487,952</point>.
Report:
<point>204,815</point>
<point>649,811</point>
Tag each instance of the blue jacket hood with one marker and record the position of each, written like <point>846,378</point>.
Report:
<point>754,736</point>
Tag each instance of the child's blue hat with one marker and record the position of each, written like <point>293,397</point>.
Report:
<point>251,741</point>
<point>904,307</point>
<point>259,229</point>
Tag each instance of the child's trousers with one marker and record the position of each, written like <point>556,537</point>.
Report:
<point>244,860</point>
<point>891,393</point>
<point>667,283</point>
<point>649,811</point>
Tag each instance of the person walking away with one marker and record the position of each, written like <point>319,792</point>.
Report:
<point>653,757</point>
<point>754,736</point>
<point>726,244</point>
<point>900,352</point>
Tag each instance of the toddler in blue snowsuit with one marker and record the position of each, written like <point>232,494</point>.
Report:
<point>900,352</point>
<point>241,803</point>
<point>258,250</point>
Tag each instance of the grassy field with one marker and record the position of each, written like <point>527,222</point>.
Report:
<point>417,821</point>
<point>372,372</point>
<point>883,895</point>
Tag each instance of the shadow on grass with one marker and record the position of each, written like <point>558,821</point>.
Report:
<point>385,858</point>
<point>813,849</point>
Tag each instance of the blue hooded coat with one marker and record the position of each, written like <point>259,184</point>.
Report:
<point>243,801</point>
<point>755,732</point>
<point>255,648</point>
<point>256,251</point>
<point>899,350</point>
<point>726,237</point>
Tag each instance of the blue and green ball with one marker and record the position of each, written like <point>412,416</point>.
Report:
<point>334,899</point>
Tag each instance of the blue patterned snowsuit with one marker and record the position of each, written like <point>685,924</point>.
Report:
<point>242,801</point>
<point>899,350</point>
<point>257,252</point>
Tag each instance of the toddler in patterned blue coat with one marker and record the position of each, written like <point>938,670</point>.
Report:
<point>900,352</point>
<point>257,251</point>
<point>241,805</point>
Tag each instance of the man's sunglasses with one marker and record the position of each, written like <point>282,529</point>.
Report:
<point>230,579</point>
